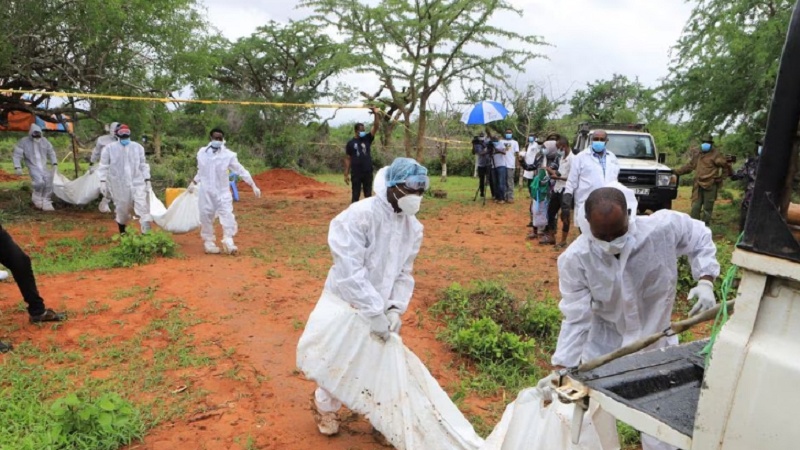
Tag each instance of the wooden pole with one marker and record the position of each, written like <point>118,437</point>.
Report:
<point>75,153</point>
<point>675,328</point>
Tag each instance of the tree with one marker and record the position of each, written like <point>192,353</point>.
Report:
<point>726,62</point>
<point>417,46</point>
<point>278,63</point>
<point>445,124</point>
<point>617,99</point>
<point>98,46</point>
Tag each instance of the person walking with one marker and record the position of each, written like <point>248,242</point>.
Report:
<point>40,158</point>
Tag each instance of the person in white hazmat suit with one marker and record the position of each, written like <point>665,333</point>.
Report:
<point>40,157</point>
<point>591,169</point>
<point>125,177</point>
<point>618,282</point>
<point>213,163</point>
<point>102,141</point>
<point>374,243</point>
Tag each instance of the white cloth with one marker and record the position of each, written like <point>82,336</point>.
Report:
<point>102,141</point>
<point>39,155</point>
<point>80,191</point>
<point>384,381</point>
<point>587,174</point>
<point>125,169</point>
<point>608,302</point>
<point>214,191</point>
<point>529,425</point>
<point>530,157</point>
<point>373,251</point>
<point>564,168</point>
<point>182,216</point>
<point>511,154</point>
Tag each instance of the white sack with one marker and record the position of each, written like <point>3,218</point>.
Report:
<point>384,381</point>
<point>81,191</point>
<point>529,425</point>
<point>182,216</point>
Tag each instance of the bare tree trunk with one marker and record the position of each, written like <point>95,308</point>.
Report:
<point>407,133</point>
<point>443,160</point>
<point>157,143</point>
<point>422,125</point>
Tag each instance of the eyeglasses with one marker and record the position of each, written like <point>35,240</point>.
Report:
<point>417,182</point>
<point>123,136</point>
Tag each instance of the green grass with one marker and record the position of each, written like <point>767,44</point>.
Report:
<point>35,376</point>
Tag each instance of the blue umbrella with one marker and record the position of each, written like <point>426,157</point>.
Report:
<point>484,112</point>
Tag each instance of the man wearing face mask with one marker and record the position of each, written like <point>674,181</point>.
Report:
<point>709,167</point>
<point>102,141</point>
<point>40,157</point>
<point>618,282</point>
<point>374,243</point>
<point>748,173</point>
<point>528,157</point>
<point>214,161</point>
<point>358,161</point>
<point>125,177</point>
<point>511,152</point>
<point>590,170</point>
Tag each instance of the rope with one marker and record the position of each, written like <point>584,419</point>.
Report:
<point>722,314</point>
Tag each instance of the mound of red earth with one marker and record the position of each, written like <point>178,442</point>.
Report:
<point>5,176</point>
<point>288,182</point>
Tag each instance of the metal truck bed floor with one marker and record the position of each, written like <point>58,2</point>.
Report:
<point>663,383</point>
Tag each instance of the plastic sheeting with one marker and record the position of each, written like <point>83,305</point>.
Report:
<point>529,425</point>
<point>384,381</point>
<point>80,191</point>
<point>182,216</point>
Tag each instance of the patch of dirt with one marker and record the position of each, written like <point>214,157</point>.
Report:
<point>290,183</point>
<point>6,177</point>
<point>257,303</point>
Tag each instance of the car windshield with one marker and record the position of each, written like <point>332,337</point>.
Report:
<point>631,146</point>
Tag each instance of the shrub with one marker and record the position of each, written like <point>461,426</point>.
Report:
<point>483,340</point>
<point>107,422</point>
<point>134,248</point>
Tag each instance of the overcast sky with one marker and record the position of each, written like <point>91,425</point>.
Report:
<point>591,39</point>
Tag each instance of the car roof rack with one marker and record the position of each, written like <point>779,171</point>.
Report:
<point>586,127</point>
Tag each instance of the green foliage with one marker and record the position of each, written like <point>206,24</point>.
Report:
<point>71,255</point>
<point>629,437</point>
<point>105,422</point>
<point>726,64</point>
<point>416,50</point>
<point>616,100</point>
<point>134,248</point>
<point>502,335</point>
<point>484,341</point>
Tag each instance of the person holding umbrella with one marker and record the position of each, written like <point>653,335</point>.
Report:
<point>483,113</point>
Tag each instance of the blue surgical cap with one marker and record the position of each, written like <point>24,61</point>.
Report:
<point>403,168</point>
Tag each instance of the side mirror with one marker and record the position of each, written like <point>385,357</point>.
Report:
<point>662,158</point>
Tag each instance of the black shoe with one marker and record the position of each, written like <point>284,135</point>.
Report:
<point>5,347</point>
<point>121,228</point>
<point>48,316</point>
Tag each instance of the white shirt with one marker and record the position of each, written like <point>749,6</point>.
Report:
<point>530,158</point>
<point>564,169</point>
<point>587,174</point>
<point>609,302</point>
<point>512,153</point>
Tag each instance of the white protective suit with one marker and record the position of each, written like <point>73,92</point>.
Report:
<point>40,157</point>
<point>608,303</point>
<point>215,192</point>
<point>586,174</point>
<point>102,141</point>
<point>373,251</point>
<point>126,172</point>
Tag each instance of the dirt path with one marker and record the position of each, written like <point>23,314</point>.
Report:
<point>252,307</point>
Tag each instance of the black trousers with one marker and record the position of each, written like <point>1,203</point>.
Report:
<point>552,213</point>
<point>361,181</point>
<point>19,264</point>
<point>484,177</point>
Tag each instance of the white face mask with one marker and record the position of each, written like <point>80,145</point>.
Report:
<point>614,247</point>
<point>409,205</point>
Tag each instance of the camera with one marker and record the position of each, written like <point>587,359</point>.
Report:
<point>730,158</point>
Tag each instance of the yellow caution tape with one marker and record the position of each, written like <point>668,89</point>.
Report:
<point>179,100</point>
